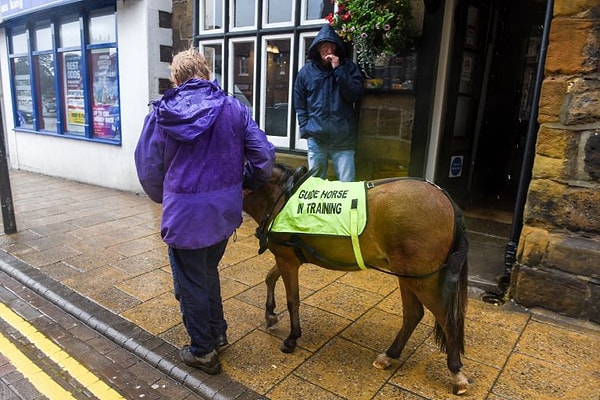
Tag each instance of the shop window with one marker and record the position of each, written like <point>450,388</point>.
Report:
<point>244,14</point>
<point>277,88</point>
<point>212,15</point>
<point>43,70</point>
<point>242,81</point>
<point>105,94</point>
<point>316,9</point>
<point>63,85</point>
<point>255,52</point>
<point>214,59</point>
<point>278,12</point>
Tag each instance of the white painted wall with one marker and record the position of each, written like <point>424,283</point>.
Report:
<point>139,37</point>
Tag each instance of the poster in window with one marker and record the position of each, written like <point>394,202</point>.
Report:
<point>74,95</point>
<point>105,105</point>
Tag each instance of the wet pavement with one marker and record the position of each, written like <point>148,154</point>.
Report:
<point>96,253</point>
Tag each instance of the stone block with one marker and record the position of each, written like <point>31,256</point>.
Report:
<point>550,204</point>
<point>581,104</point>
<point>575,255</point>
<point>591,158</point>
<point>556,142</point>
<point>580,210</point>
<point>568,47</point>
<point>542,201</point>
<point>550,168</point>
<point>532,245</point>
<point>576,8</point>
<point>553,92</point>
<point>550,289</point>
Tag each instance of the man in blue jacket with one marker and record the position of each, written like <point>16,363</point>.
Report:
<point>197,149</point>
<point>326,93</point>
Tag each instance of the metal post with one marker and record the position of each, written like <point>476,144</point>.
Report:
<point>529,155</point>
<point>8,212</point>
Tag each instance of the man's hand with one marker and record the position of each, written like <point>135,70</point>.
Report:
<point>333,60</point>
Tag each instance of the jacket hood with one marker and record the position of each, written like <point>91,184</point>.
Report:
<point>327,34</point>
<point>189,110</point>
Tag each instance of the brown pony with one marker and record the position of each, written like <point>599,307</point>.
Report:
<point>414,231</point>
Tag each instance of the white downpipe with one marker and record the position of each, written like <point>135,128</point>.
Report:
<point>439,105</point>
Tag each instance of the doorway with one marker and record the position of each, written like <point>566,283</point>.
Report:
<point>493,63</point>
<point>493,67</point>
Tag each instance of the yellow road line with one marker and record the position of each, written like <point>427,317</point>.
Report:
<point>38,378</point>
<point>79,372</point>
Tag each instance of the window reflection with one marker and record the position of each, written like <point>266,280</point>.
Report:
<point>19,43</point>
<point>277,87</point>
<point>279,11</point>
<point>318,9</point>
<point>22,84</point>
<point>244,13</point>
<point>46,96</point>
<point>43,39</point>
<point>214,59</point>
<point>213,14</point>
<point>243,73</point>
<point>69,34</point>
<point>102,28</point>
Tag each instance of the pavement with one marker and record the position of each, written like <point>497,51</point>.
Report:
<point>96,254</point>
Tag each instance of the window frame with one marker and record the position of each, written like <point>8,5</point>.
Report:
<point>279,141</point>
<point>201,23</point>
<point>265,16</point>
<point>304,10</point>
<point>231,68</point>
<point>232,27</point>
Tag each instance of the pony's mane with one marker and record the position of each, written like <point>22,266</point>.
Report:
<point>281,173</point>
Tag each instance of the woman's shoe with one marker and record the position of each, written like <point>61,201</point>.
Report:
<point>208,363</point>
<point>221,341</point>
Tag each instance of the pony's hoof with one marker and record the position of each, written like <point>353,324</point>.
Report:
<point>287,349</point>
<point>382,361</point>
<point>271,320</point>
<point>460,388</point>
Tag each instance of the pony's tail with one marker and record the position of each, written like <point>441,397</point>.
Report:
<point>454,290</point>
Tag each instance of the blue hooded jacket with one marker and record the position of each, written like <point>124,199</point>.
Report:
<point>197,147</point>
<point>324,98</point>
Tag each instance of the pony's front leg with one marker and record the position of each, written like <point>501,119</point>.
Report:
<point>412,310</point>
<point>271,280</point>
<point>288,268</point>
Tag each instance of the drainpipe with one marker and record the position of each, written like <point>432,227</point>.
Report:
<point>529,155</point>
<point>6,200</point>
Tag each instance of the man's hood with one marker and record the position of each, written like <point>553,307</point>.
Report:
<point>326,34</point>
<point>189,110</point>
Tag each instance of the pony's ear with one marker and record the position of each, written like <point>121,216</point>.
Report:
<point>299,173</point>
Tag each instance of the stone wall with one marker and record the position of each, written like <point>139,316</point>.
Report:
<point>558,260</point>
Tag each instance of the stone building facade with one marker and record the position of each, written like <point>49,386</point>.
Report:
<point>558,261</point>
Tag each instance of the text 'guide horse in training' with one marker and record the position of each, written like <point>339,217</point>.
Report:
<point>407,227</point>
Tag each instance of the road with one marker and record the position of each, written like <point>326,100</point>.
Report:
<point>45,353</point>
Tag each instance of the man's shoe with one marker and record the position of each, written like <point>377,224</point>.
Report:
<point>221,341</point>
<point>208,363</point>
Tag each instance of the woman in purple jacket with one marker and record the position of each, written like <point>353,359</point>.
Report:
<point>197,149</point>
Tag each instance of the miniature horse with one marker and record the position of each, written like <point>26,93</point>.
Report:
<point>413,230</point>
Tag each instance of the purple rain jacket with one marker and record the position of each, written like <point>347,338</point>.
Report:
<point>197,147</point>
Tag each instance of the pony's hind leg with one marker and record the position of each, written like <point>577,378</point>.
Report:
<point>271,279</point>
<point>461,383</point>
<point>412,310</point>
